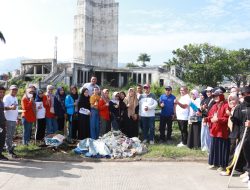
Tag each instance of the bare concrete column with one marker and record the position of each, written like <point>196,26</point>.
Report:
<point>137,80</point>
<point>120,81</point>
<point>34,70</point>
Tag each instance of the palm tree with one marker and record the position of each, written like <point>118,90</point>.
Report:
<point>2,37</point>
<point>143,57</point>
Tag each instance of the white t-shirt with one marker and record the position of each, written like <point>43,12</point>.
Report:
<point>40,110</point>
<point>182,114</point>
<point>10,115</point>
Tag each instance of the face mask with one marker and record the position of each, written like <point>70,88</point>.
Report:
<point>247,99</point>
<point>30,95</point>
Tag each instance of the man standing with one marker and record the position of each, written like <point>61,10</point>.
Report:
<point>182,113</point>
<point>2,124</point>
<point>11,114</point>
<point>167,113</point>
<point>147,105</point>
<point>241,119</point>
<point>91,85</point>
<point>139,91</point>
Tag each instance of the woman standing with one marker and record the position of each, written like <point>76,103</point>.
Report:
<point>114,111</point>
<point>60,110</point>
<point>194,121</point>
<point>28,114</point>
<point>51,123</point>
<point>95,118</point>
<point>132,110</point>
<point>217,119</point>
<point>84,114</point>
<point>103,107</point>
<point>123,110</point>
<point>40,116</point>
<point>71,103</point>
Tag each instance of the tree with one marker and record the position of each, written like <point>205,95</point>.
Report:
<point>201,64</point>
<point>2,37</point>
<point>143,57</point>
<point>238,69</point>
<point>129,65</point>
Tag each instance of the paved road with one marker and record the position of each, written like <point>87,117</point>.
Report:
<point>38,175</point>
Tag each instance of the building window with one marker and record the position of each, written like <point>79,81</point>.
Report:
<point>149,78</point>
<point>161,82</point>
<point>139,78</point>
<point>144,78</point>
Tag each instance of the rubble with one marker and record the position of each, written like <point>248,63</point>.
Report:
<point>113,144</point>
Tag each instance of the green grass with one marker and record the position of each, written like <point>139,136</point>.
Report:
<point>164,151</point>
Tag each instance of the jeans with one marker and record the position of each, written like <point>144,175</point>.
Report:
<point>10,131</point>
<point>51,125</point>
<point>27,127</point>
<point>183,124</point>
<point>148,124</point>
<point>94,124</point>
<point>205,137</point>
<point>166,120</point>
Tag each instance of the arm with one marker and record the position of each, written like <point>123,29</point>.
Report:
<point>68,102</point>
<point>101,105</point>
<point>154,105</point>
<point>27,104</point>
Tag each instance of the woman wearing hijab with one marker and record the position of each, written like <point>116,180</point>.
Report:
<point>123,110</point>
<point>40,116</point>
<point>51,122</point>
<point>71,103</point>
<point>114,111</point>
<point>103,107</point>
<point>59,106</point>
<point>28,114</point>
<point>84,115</point>
<point>194,121</point>
<point>132,110</point>
<point>218,119</point>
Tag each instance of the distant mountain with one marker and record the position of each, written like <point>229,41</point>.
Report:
<point>9,65</point>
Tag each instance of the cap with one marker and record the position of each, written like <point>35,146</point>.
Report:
<point>146,86</point>
<point>218,91</point>
<point>13,87</point>
<point>168,87</point>
<point>245,90</point>
<point>209,88</point>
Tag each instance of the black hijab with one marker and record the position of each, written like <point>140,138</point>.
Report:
<point>84,100</point>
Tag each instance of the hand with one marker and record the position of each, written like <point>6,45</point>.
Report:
<point>116,106</point>
<point>176,101</point>
<point>214,119</point>
<point>65,116</point>
<point>128,105</point>
<point>107,104</point>
<point>135,117</point>
<point>32,99</point>
<point>247,123</point>
<point>198,113</point>
<point>75,103</point>
<point>146,108</point>
<point>228,112</point>
<point>162,104</point>
<point>13,107</point>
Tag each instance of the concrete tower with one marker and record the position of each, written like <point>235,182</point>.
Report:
<point>96,33</point>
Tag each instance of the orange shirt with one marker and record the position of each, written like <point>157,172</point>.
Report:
<point>28,108</point>
<point>94,99</point>
<point>103,110</point>
<point>47,105</point>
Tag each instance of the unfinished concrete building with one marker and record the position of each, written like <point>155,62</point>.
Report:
<point>96,33</point>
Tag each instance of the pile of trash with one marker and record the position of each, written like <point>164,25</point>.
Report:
<point>54,140</point>
<point>113,144</point>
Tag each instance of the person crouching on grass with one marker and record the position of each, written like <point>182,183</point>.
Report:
<point>28,114</point>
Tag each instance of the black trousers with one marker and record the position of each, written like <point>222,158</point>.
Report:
<point>41,127</point>
<point>60,122</point>
<point>2,138</point>
<point>166,120</point>
<point>183,124</point>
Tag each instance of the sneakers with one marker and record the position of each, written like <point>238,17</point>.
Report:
<point>220,169</point>
<point>151,142</point>
<point>212,167</point>
<point>12,155</point>
<point>224,173</point>
<point>245,179</point>
<point>180,145</point>
<point>2,157</point>
<point>244,175</point>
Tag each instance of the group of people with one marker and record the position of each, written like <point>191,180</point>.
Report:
<point>206,119</point>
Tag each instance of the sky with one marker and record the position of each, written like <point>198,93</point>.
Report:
<point>145,26</point>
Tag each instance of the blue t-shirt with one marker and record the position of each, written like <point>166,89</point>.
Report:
<point>168,109</point>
